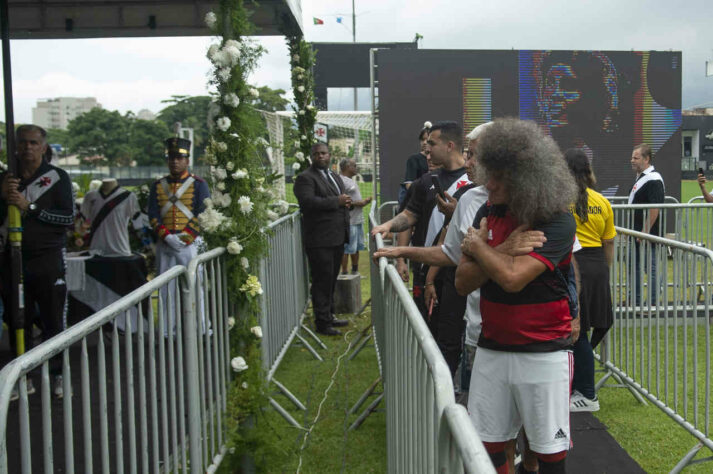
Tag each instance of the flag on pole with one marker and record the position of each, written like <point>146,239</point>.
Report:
<point>317,21</point>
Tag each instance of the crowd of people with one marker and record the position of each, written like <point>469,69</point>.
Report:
<point>508,246</point>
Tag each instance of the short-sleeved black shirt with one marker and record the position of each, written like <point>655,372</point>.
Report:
<point>416,166</point>
<point>423,200</point>
<point>652,192</point>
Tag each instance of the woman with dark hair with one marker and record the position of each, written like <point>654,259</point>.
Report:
<point>416,165</point>
<point>595,231</point>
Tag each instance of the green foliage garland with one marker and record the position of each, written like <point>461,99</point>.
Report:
<point>237,213</point>
<point>302,59</point>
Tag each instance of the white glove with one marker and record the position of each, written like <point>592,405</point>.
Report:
<point>174,242</point>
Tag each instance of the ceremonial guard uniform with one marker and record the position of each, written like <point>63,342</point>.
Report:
<point>174,205</point>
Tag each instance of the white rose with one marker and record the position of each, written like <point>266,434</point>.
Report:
<point>220,186</point>
<point>219,174</point>
<point>223,123</point>
<point>225,200</point>
<point>245,387</point>
<point>214,48</point>
<point>245,263</point>
<point>303,137</point>
<point>239,364</point>
<point>229,166</point>
<point>273,216</point>
<point>210,19</point>
<point>234,248</point>
<point>221,147</point>
<point>296,166</point>
<point>208,203</point>
<point>300,156</point>
<point>231,322</point>
<point>257,331</point>
<point>246,205</point>
<point>224,74</point>
<point>254,92</point>
<point>296,57</point>
<point>297,143</point>
<point>233,54</point>
<point>300,76</point>
<point>240,174</point>
<point>300,88</point>
<point>301,112</point>
<point>231,99</point>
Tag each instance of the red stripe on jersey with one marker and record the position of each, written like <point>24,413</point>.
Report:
<point>525,323</point>
<point>542,259</point>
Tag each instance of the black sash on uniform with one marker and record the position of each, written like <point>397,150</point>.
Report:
<point>105,210</point>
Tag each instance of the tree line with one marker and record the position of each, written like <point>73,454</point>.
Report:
<point>107,137</point>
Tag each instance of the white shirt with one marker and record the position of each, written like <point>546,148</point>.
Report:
<point>462,219</point>
<point>111,239</point>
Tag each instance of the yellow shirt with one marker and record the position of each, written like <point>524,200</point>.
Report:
<point>600,222</point>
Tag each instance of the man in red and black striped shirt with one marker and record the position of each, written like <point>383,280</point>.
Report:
<point>522,370</point>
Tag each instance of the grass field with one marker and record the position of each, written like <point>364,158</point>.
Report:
<point>330,447</point>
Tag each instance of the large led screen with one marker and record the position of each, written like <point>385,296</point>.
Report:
<point>605,102</point>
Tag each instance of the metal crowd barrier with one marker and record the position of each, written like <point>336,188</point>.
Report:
<point>660,344</point>
<point>690,222</point>
<point>137,416</point>
<point>154,394</point>
<point>426,430</point>
<point>285,283</point>
<point>625,199</point>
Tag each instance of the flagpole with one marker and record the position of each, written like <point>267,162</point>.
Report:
<point>17,300</point>
<point>356,102</point>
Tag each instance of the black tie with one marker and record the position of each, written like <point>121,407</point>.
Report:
<point>330,182</point>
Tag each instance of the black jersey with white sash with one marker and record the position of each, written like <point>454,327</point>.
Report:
<point>45,228</point>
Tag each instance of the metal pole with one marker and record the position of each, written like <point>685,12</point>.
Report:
<point>356,102</point>
<point>17,299</point>
<point>374,155</point>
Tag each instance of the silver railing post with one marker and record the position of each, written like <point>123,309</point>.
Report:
<point>192,381</point>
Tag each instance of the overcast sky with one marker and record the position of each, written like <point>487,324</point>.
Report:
<point>135,74</point>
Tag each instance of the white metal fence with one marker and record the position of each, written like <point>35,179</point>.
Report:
<point>153,395</point>
<point>687,222</point>
<point>660,343</point>
<point>285,283</point>
<point>426,430</point>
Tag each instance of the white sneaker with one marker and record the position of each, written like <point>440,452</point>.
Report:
<point>58,387</point>
<point>15,394</point>
<point>580,403</point>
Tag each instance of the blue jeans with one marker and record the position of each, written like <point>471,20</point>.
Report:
<point>638,278</point>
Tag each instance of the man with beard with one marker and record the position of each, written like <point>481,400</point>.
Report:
<point>424,212</point>
<point>325,218</point>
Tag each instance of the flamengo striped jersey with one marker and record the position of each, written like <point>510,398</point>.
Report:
<point>537,318</point>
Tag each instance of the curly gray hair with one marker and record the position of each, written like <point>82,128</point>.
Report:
<point>531,167</point>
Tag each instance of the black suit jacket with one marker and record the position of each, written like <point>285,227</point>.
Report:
<point>324,222</point>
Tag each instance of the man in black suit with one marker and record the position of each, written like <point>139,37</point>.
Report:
<point>325,223</point>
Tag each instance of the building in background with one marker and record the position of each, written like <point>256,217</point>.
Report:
<point>145,114</point>
<point>58,112</point>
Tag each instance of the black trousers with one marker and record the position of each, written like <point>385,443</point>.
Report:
<point>45,298</point>
<point>324,264</point>
<point>451,324</point>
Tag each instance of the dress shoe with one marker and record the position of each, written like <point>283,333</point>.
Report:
<point>339,323</point>
<point>328,331</point>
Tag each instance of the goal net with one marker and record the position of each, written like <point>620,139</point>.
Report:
<point>349,135</point>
